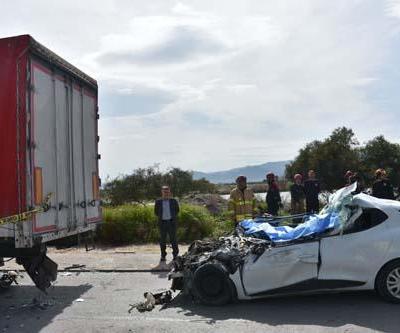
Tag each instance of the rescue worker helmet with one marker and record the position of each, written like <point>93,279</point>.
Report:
<point>241,178</point>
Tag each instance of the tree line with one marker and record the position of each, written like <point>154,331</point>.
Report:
<point>330,158</point>
<point>341,151</point>
<point>145,184</point>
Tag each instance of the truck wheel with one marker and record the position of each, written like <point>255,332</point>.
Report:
<point>212,285</point>
<point>387,282</point>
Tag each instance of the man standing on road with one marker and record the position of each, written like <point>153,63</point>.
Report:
<point>241,201</point>
<point>382,188</point>
<point>167,208</point>
<point>297,195</point>
<point>312,189</point>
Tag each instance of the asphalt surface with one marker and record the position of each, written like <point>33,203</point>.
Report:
<point>99,302</point>
<point>129,258</point>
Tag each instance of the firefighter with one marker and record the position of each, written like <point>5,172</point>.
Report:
<point>273,198</point>
<point>242,202</point>
<point>312,189</point>
<point>382,188</point>
<point>297,195</point>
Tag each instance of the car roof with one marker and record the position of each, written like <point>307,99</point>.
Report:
<point>367,201</point>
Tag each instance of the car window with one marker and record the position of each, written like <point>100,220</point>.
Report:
<point>369,218</point>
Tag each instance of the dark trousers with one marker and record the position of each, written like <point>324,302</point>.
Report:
<point>312,205</point>
<point>168,227</point>
<point>273,208</point>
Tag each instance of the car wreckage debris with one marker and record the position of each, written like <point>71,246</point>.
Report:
<point>151,300</point>
<point>229,252</point>
<point>7,279</point>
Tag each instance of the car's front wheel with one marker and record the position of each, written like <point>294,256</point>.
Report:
<point>388,282</point>
<point>212,284</point>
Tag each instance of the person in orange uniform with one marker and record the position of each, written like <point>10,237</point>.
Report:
<point>242,203</point>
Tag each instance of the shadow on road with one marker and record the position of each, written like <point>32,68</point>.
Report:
<point>26,309</point>
<point>362,309</point>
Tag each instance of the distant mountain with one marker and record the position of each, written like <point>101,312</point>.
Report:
<point>254,173</point>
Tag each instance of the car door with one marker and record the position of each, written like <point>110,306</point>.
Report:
<point>280,268</point>
<point>353,259</point>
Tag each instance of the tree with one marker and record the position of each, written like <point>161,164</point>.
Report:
<point>329,158</point>
<point>144,184</point>
<point>380,153</point>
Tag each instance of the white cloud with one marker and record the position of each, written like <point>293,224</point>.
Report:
<point>393,8</point>
<point>222,84</point>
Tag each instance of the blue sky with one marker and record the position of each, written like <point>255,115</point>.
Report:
<point>210,85</point>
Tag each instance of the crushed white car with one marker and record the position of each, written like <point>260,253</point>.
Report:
<point>353,244</point>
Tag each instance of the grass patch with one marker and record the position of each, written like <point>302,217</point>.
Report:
<point>138,224</point>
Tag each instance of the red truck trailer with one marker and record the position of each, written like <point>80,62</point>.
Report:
<point>49,179</point>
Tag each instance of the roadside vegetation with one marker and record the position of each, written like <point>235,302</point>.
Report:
<point>138,224</point>
<point>144,185</point>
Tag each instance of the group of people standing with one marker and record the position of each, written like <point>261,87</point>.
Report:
<point>242,203</point>
<point>307,191</point>
<point>304,194</point>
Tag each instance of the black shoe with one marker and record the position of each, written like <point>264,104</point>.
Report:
<point>163,259</point>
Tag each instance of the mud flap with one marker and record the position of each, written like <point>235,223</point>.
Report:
<point>41,269</point>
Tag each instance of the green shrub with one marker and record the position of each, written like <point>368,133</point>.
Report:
<point>128,223</point>
<point>138,224</point>
<point>194,222</point>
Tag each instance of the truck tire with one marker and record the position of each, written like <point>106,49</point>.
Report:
<point>387,283</point>
<point>212,285</point>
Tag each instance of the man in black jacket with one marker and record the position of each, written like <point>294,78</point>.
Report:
<point>273,197</point>
<point>382,188</point>
<point>167,208</point>
<point>312,189</point>
<point>297,195</point>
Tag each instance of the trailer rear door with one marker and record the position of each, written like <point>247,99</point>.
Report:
<point>90,156</point>
<point>44,146</point>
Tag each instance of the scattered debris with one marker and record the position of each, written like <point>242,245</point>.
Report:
<point>9,278</point>
<point>66,274</point>
<point>151,300</point>
<point>79,300</point>
<point>229,251</point>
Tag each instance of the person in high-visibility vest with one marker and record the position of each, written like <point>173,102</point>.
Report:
<point>242,203</point>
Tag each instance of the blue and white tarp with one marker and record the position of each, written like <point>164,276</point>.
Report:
<point>315,224</point>
<point>332,217</point>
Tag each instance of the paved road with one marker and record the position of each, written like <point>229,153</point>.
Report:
<point>99,302</point>
<point>130,257</point>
